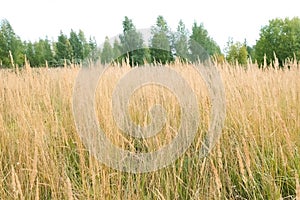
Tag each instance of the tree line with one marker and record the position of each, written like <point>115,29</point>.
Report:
<point>280,40</point>
<point>163,47</point>
<point>72,48</point>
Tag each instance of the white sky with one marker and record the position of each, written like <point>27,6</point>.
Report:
<point>34,19</point>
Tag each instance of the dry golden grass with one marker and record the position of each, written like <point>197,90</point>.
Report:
<point>257,157</point>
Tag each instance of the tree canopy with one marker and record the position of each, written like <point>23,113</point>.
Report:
<point>236,52</point>
<point>132,44</point>
<point>107,54</point>
<point>201,44</point>
<point>10,42</point>
<point>180,40</point>
<point>160,47</point>
<point>281,37</point>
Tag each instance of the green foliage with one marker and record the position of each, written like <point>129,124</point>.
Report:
<point>30,53</point>
<point>180,41</point>
<point>63,49</point>
<point>127,25</point>
<point>85,48</point>
<point>132,44</point>
<point>236,52</point>
<point>74,49</point>
<point>160,42</point>
<point>107,54</point>
<point>243,55</point>
<point>250,51</point>
<point>117,49</point>
<point>39,52</point>
<point>201,44</point>
<point>77,47</point>
<point>90,50</point>
<point>280,37</point>
<point>9,41</point>
<point>43,52</point>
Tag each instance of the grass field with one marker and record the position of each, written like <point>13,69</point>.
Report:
<point>257,156</point>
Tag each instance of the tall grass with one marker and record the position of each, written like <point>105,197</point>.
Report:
<point>257,156</point>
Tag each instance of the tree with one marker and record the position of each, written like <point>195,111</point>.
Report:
<point>10,42</point>
<point>43,52</point>
<point>243,55</point>
<point>236,52</point>
<point>91,51</point>
<point>201,44</point>
<point>30,53</point>
<point>160,48</point>
<point>63,49</point>
<point>107,54</point>
<point>181,41</point>
<point>77,47</point>
<point>250,50</point>
<point>39,52</point>
<point>280,37</point>
<point>116,48</point>
<point>132,44</point>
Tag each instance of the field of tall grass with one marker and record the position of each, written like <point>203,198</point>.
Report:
<point>257,156</point>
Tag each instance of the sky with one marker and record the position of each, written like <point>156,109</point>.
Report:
<point>239,19</point>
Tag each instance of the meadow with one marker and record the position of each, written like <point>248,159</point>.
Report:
<point>256,157</point>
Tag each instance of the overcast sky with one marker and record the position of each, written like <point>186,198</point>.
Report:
<point>34,19</point>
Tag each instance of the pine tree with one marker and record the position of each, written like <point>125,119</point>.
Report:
<point>43,52</point>
<point>161,42</point>
<point>117,50</point>
<point>77,47</point>
<point>107,54</point>
<point>201,45</point>
<point>10,42</point>
<point>63,49</point>
<point>132,44</point>
<point>91,51</point>
<point>30,53</point>
<point>181,42</point>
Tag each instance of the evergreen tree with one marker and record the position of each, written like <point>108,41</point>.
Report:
<point>91,51</point>
<point>160,42</point>
<point>10,42</point>
<point>63,49</point>
<point>43,52</point>
<point>30,53</point>
<point>117,48</point>
<point>77,47</point>
<point>181,42</point>
<point>107,54</point>
<point>132,44</point>
<point>201,45</point>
